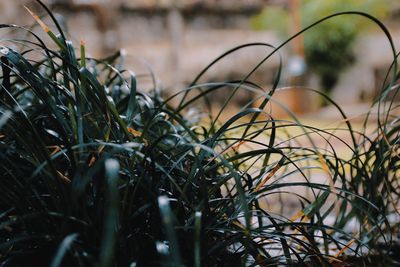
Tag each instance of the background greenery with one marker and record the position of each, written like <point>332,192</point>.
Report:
<point>329,47</point>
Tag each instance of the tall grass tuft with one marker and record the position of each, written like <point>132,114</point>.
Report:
<point>96,172</point>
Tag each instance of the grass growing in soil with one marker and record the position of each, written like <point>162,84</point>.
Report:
<point>96,172</point>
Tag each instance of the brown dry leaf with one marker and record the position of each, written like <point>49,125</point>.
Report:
<point>56,149</point>
<point>134,132</point>
<point>299,214</point>
<point>38,20</point>
<point>345,248</point>
<point>234,148</point>
<point>92,161</point>
<point>270,174</point>
<point>137,133</point>
<point>63,177</point>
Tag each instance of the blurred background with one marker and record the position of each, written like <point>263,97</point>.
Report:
<point>346,57</point>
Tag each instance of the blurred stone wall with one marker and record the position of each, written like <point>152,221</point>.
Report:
<point>178,38</point>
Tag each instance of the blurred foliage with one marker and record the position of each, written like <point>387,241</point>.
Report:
<point>328,46</point>
<point>97,172</point>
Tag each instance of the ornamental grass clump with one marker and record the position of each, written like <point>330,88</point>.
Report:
<point>96,172</point>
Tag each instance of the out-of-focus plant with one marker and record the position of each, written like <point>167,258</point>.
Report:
<point>328,46</point>
<point>96,172</point>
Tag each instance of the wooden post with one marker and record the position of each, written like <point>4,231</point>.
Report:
<point>299,95</point>
<point>176,25</point>
<point>295,11</point>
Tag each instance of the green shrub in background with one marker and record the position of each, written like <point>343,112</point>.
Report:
<point>95,172</point>
<point>329,47</point>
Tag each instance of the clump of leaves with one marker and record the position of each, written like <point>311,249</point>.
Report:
<point>329,47</point>
<point>96,172</point>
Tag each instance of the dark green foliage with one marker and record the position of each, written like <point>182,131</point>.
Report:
<point>329,57</point>
<point>95,172</point>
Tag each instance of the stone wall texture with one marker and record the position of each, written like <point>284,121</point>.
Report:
<point>179,38</point>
